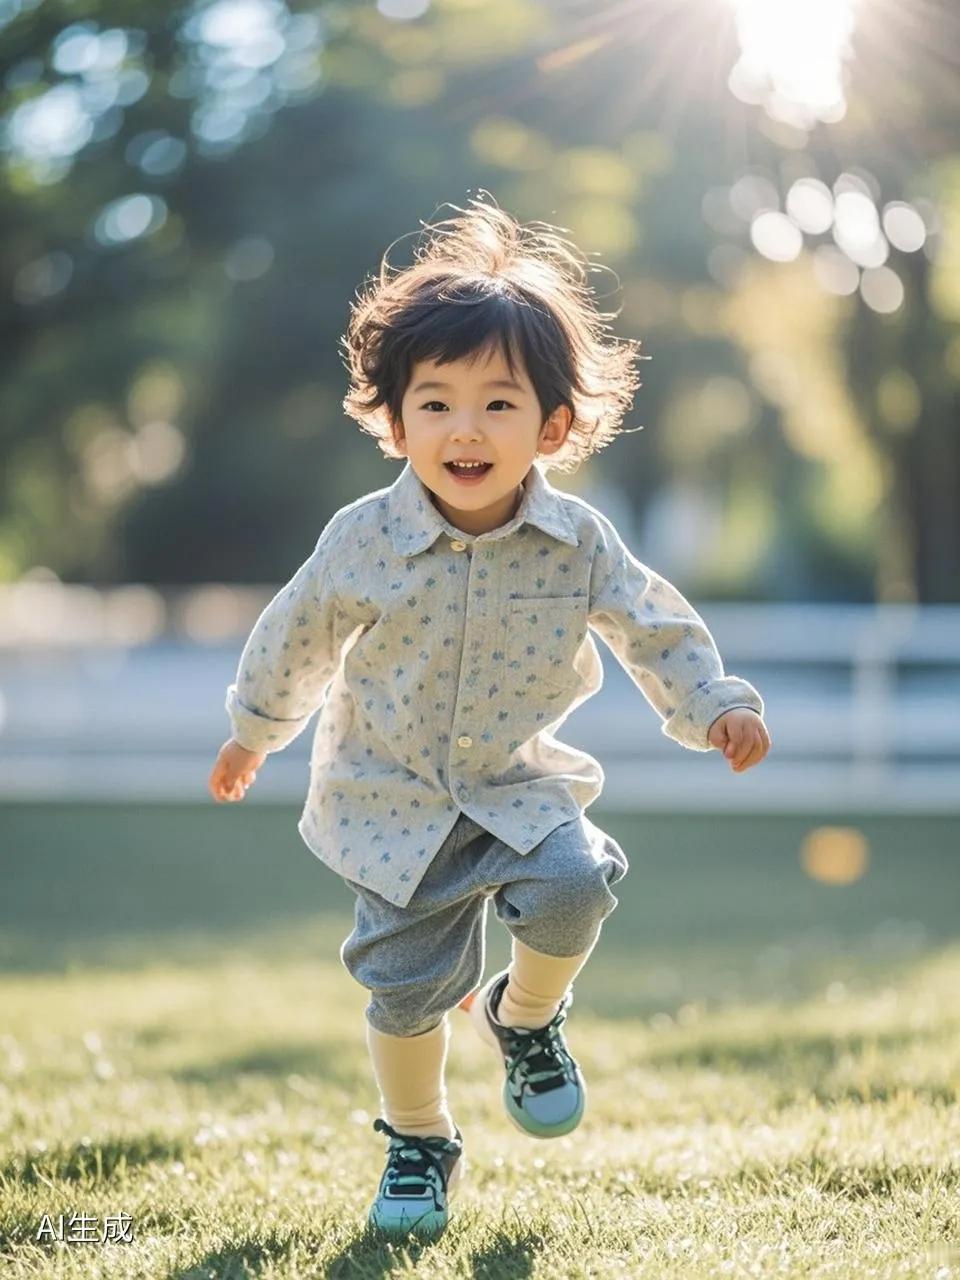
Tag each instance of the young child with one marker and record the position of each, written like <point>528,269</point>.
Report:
<point>442,625</point>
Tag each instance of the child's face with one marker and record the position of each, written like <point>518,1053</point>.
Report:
<point>476,411</point>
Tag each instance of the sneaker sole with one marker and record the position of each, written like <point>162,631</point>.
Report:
<point>475,1007</point>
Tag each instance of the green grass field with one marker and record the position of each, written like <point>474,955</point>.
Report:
<point>772,1062</point>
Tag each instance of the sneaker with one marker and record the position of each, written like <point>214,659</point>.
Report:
<point>543,1093</point>
<point>418,1183</point>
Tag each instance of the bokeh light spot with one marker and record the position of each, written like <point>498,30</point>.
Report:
<point>882,290</point>
<point>835,855</point>
<point>810,205</point>
<point>403,10</point>
<point>776,237</point>
<point>904,227</point>
<point>129,218</point>
<point>835,272</point>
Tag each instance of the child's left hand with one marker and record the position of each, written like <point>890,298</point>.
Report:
<point>742,737</point>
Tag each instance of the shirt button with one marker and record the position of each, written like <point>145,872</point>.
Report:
<point>464,741</point>
<point>457,545</point>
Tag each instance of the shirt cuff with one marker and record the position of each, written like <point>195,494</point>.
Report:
<point>691,721</point>
<point>257,732</point>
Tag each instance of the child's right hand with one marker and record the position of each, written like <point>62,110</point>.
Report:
<point>235,770</point>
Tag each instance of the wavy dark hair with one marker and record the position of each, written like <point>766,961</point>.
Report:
<point>481,280</point>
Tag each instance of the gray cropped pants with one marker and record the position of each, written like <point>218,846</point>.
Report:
<point>420,960</point>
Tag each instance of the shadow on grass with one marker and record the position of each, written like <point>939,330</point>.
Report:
<point>92,1161</point>
<point>804,1061</point>
<point>239,1260</point>
<point>370,1253</point>
<point>936,1094</point>
<point>803,1053</point>
<point>334,1064</point>
<point>373,1253</point>
<point>512,1256</point>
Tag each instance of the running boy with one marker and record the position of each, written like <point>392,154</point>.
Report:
<point>442,625</point>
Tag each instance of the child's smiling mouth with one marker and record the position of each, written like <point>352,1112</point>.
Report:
<point>468,475</point>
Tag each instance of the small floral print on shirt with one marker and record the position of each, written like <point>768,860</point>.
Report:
<point>442,663</point>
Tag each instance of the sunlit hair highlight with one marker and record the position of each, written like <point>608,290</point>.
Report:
<point>481,280</point>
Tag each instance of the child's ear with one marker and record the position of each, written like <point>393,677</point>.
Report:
<point>554,430</point>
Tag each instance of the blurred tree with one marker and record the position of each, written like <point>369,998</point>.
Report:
<point>194,192</point>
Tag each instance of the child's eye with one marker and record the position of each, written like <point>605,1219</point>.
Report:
<point>438,404</point>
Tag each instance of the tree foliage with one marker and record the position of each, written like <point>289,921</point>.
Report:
<point>192,193</point>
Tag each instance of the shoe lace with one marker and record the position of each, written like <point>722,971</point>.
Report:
<point>413,1160</point>
<point>539,1058</point>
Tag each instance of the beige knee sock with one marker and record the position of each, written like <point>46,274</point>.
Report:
<point>536,985</point>
<point>409,1074</point>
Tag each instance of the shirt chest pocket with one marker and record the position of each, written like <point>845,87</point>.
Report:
<point>543,638</point>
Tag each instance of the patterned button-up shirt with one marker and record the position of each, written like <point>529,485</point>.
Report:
<point>442,663</point>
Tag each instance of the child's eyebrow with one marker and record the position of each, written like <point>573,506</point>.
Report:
<point>445,386</point>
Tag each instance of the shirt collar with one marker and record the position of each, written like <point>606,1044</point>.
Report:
<point>415,523</point>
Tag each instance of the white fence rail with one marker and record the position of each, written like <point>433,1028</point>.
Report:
<point>118,695</point>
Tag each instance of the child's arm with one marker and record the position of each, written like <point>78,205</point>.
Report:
<point>664,646</point>
<point>290,657</point>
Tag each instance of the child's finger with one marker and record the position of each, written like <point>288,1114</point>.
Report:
<point>226,788</point>
<point>753,756</point>
<point>739,748</point>
<point>215,785</point>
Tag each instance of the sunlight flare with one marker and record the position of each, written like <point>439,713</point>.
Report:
<point>792,57</point>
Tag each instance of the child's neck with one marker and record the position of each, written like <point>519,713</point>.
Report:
<point>486,519</point>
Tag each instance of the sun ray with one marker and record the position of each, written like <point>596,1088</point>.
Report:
<point>679,39</point>
<point>892,24</point>
<point>677,93</point>
<point>681,52</point>
<point>637,26</point>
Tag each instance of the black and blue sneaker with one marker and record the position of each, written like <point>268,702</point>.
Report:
<point>543,1093</point>
<point>418,1183</point>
